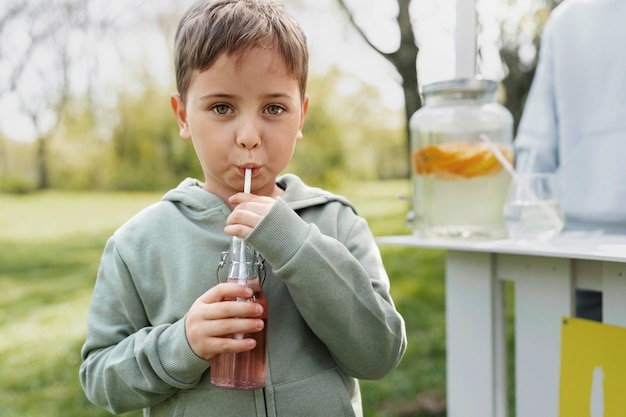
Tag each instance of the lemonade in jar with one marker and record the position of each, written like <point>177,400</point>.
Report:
<point>459,186</point>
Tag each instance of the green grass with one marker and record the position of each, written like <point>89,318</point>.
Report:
<point>51,246</point>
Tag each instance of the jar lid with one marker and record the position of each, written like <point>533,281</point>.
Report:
<point>462,87</point>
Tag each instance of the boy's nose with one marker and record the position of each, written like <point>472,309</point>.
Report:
<point>248,135</point>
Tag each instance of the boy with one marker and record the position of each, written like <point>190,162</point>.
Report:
<point>158,316</point>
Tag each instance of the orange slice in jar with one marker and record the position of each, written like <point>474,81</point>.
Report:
<point>458,160</point>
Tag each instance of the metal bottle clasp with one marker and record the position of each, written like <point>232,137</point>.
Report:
<point>224,257</point>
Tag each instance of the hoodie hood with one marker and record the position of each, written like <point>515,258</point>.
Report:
<point>297,195</point>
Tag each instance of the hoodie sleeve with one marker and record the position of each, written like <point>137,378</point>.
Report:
<point>338,284</point>
<point>128,363</point>
<point>536,144</point>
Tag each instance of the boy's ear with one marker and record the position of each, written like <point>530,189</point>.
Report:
<point>181,115</point>
<point>303,110</point>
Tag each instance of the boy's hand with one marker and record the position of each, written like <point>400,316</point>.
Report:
<point>212,318</point>
<point>248,212</point>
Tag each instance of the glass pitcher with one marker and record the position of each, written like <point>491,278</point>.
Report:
<point>459,186</point>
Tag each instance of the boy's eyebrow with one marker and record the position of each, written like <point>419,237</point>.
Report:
<point>233,96</point>
<point>279,95</point>
<point>215,95</point>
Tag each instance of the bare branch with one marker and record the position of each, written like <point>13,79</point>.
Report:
<point>11,13</point>
<point>350,15</point>
<point>404,58</point>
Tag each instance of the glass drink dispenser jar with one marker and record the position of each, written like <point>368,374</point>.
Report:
<point>459,186</point>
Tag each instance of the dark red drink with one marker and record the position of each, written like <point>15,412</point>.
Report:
<point>245,370</point>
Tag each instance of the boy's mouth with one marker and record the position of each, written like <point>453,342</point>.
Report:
<point>242,169</point>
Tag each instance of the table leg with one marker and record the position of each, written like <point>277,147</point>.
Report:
<point>614,293</point>
<point>475,337</point>
<point>543,295</point>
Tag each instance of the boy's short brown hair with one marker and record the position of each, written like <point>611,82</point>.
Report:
<point>211,28</point>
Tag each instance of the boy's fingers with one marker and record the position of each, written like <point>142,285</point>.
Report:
<point>230,345</point>
<point>216,345</point>
<point>227,327</point>
<point>229,309</point>
<point>241,198</point>
<point>216,336</point>
<point>254,200</point>
<point>238,230</point>
<point>225,290</point>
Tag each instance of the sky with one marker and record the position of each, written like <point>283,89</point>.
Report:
<point>332,42</point>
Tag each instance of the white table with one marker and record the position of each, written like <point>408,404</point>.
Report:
<point>545,277</point>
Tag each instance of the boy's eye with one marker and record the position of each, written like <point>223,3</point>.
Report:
<point>221,109</point>
<point>274,109</point>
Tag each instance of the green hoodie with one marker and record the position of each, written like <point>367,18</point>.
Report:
<point>331,319</point>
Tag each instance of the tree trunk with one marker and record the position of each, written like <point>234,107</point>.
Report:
<point>404,59</point>
<point>412,103</point>
<point>43,182</point>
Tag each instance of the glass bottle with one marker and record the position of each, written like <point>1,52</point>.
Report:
<point>244,370</point>
<point>459,186</point>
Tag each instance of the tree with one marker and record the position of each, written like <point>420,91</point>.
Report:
<point>520,43</point>
<point>38,55</point>
<point>404,58</point>
<point>520,33</point>
<point>147,152</point>
<point>346,133</point>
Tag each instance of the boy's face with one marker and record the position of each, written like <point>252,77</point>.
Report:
<point>242,112</point>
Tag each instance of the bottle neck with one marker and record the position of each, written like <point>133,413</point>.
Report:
<point>245,261</point>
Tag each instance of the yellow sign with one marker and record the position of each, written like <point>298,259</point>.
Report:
<point>593,369</point>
